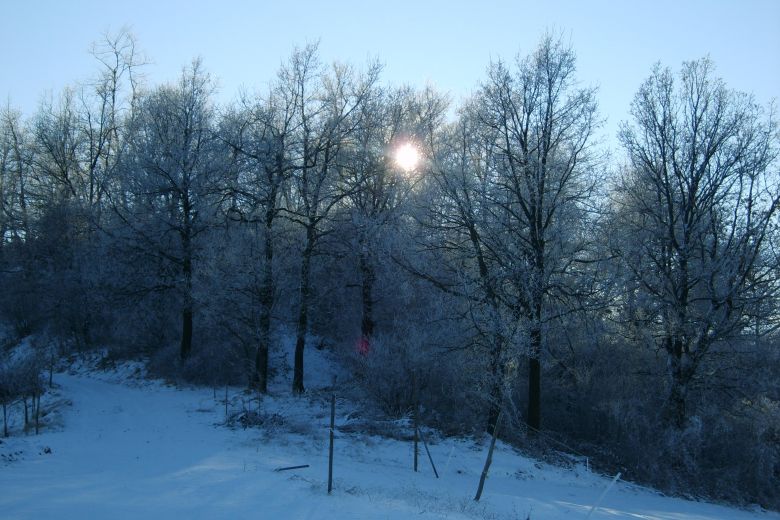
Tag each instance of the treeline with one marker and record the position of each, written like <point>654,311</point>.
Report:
<point>627,308</point>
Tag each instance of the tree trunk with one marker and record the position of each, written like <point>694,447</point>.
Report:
<point>261,361</point>
<point>494,408</point>
<point>497,384</point>
<point>680,374</point>
<point>303,314</point>
<point>186,333</point>
<point>497,346</point>
<point>186,315</point>
<point>37,398</point>
<point>535,379</point>
<point>266,306</point>
<point>51,368</point>
<point>368,277</point>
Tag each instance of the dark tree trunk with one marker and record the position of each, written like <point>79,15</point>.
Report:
<point>368,277</point>
<point>303,314</point>
<point>535,379</point>
<point>51,370</point>
<point>494,409</point>
<point>497,387</point>
<point>261,362</point>
<point>266,306</point>
<point>186,333</point>
<point>186,314</point>
<point>675,412</point>
<point>37,399</point>
<point>681,374</point>
<point>497,347</point>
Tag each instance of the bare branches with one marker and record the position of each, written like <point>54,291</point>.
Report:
<point>692,202</point>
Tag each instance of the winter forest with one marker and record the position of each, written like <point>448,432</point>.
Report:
<point>490,259</point>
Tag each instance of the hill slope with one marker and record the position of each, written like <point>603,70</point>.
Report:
<point>131,448</point>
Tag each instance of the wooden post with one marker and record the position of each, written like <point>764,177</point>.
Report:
<point>430,459</point>
<point>415,413</point>
<point>603,494</point>
<point>301,466</point>
<point>330,449</point>
<point>489,459</point>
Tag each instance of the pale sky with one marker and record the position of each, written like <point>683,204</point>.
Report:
<point>44,44</point>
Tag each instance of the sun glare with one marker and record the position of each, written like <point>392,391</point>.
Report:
<point>407,157</point>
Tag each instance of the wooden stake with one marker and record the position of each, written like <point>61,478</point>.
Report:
<point>489,459</point>
<point>603,494</point>
<point>330,449</point>
<point>429,455</point>
<point>292,467</point>
<point>416,406</point>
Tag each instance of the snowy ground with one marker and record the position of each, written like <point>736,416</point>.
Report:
<point>129,448</point>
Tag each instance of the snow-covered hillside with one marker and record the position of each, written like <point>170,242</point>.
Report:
<point>131,448</point>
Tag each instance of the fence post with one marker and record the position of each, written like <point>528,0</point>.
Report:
<point>430,459</point>
<point>489,459</point>
<point>330,449</point>
<point>415,414</point>
<point>603,494</point>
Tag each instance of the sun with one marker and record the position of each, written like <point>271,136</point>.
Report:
<point>407,157</point>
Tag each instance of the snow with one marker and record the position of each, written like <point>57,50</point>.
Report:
<point>134,448</point>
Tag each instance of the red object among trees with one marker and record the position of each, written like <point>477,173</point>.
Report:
<point>363,346</point>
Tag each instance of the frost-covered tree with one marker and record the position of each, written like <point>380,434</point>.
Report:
<point>378,186</point>
<point>170,181</point>
<point>326,118</point>
<point>261,133</point>
<point>15,166</point>
<point>696,207</point>
<point>514,177</point>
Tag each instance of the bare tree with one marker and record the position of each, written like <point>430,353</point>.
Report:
<point>170,183</point>
<point>15,166</point>
<point>541,125</point>
<point>261,135</point>
<point>696,205</point>
<point>457,223</point>
<point>107,103</point>
<point>378,186</point>
<point>328,104</point>
<point>515,178</point>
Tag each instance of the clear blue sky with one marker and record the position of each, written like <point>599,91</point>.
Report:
<point>44,44</point>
